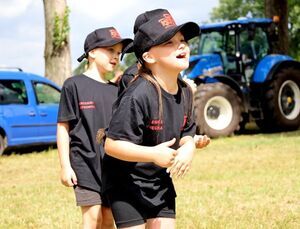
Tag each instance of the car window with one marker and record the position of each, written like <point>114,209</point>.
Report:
<point>13,92</point>
<point>46,94</point>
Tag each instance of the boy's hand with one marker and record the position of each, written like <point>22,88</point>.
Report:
<point>201,141</point>
<point>68,177</point>
<point>163,155</point>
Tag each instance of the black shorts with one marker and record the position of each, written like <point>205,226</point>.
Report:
<point>88,197</point>
<point>128,212</point>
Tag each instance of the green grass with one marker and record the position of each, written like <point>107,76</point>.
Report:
<point>246,181</point>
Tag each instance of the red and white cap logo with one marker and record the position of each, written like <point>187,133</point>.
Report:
<point>167,21</point>
<point>114,34</point>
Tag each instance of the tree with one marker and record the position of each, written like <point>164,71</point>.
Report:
<point>279,8</point>
<point>57,49</point>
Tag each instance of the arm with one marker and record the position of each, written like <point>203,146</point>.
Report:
<point>184,158</point>
<point>67,175</point>
<point>161,154</point>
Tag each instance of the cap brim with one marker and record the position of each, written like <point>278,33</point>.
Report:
<point>189,30</point>
<point>127,49</point>
<point>113,42</point>
<point>125,42</point>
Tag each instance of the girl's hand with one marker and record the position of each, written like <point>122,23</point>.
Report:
<point>68,177</point>
<point>182,163</point>
<point>163,155</point>
<point>201,141</point>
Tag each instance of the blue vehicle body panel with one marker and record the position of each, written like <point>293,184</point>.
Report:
<point>206,65</point>
<point>265,65</point>
<point>30,123</point>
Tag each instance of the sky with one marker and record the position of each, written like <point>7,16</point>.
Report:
<point>22,31</point>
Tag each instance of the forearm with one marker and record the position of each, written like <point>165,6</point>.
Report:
<point>187,145</point>
<point>128,151</point>
<point>63,144</point>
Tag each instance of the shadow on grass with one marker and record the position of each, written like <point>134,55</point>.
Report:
<point>252,129</point>
<point>29,149</point>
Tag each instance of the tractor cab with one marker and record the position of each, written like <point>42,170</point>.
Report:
<point>235,48</point>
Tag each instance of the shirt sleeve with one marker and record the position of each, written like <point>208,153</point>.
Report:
<point>127,121</point>
<point>67,106</point>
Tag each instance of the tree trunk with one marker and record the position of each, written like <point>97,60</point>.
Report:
<point>279,8</point>
<point>57,48</point>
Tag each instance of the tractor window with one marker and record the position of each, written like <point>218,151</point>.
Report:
<point>194,45</point>
<point>261,43</point>
<point>253,49</point>
<point>211,43</point>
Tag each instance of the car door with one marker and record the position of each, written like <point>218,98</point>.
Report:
<point>18,112</point>
<point>47,99</point>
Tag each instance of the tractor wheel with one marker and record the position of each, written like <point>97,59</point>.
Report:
<point>217,110</point>
<point>281,105</point>
<point>3,144</point>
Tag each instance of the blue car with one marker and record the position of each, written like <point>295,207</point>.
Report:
<point>28,109</point>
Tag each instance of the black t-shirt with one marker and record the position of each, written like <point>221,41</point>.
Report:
<point>86,105</point>
<point>136,119</point>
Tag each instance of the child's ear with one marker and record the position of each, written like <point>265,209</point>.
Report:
<point>92,53</point>
<point>148,58</point>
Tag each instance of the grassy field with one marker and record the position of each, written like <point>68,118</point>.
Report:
<point>246,181</point>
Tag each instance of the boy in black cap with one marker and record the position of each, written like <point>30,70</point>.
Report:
<point>85,107</point>
<point>150,136</point>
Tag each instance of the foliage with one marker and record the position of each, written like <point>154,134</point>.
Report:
<point>246,181</point>
<point>80,68</point>
<point>129,60</point>
<point>61,30</point>
<point>233,9</point>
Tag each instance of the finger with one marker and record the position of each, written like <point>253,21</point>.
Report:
<point>185,171</point>
<point>176,169</point>
<point>169,143</point>
<point>74,179</point>
<point>181,170</point>
<point>174,154</point>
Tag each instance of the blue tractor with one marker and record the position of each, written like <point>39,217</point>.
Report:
<point>240,79</point>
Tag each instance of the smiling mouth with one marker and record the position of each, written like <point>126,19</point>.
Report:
<point>181,55</point>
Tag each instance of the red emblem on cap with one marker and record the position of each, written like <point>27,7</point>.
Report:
<point>114,34</point>
<point>167,21</point>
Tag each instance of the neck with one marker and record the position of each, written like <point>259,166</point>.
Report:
<point>167,80</point>
<point>95,74</point>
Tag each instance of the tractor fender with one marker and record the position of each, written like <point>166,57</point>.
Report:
<point>283,65</point>
<point>231,83</point>
<point>268,65</point>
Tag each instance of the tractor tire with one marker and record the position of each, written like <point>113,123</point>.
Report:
<point>217,110</point>
<point>281,104</point>
<point>3,144</point>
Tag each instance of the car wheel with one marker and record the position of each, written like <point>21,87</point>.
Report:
<point>3,144</point>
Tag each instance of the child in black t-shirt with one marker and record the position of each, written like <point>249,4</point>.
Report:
<point>85,107</point>
<point>150,136</point>
<point>201,141</point>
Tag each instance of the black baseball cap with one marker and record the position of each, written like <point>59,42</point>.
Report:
<point>103,37</point>
<point>160,29</point>
<point>140,20</point>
